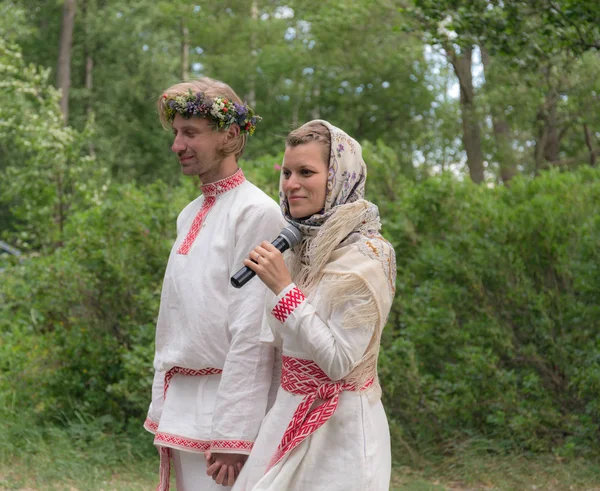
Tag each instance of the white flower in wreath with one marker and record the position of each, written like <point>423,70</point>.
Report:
<point>217,110</point>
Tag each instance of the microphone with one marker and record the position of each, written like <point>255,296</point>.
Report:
<point>289,237</point>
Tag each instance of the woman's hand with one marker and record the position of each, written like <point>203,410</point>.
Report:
<point>267,262</point>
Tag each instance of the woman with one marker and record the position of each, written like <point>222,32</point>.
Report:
<point>330,299</point>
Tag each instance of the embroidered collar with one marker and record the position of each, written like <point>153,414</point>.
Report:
<point>220,187</point>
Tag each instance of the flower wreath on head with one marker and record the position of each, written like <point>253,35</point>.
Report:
<point>220,110</point>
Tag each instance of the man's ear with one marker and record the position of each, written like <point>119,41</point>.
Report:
<point>233,132</point>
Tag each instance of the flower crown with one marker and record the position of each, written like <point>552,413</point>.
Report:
<point>222,111</point>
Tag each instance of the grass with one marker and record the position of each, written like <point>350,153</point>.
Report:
<point>80,455</point>
<point>84,455</point>
<point>506,473</point>
<point>60,471</point>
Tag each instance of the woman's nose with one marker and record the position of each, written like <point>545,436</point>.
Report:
<point>291,183</point>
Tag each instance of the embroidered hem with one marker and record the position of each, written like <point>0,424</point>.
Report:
<point>181,443</point>
<point>151,426</point>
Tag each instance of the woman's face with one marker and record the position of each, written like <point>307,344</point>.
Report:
<point>304,179</point>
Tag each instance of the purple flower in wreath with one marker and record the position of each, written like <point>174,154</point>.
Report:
<point>190,109</point>
<point>242,113</point>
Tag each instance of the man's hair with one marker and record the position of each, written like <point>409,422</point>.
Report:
<point>313,131</point>
<point>211,88</point>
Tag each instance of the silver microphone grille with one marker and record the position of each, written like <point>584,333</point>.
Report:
<point>292,234</point>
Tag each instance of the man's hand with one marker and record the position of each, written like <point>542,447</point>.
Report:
<point>224,467</point>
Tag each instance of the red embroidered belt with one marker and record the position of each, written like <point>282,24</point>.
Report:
<point>304,377</point>
<point>165,452</point>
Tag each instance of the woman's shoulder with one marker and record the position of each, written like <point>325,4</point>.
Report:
<point>371,246</point>
<point>369,256</point>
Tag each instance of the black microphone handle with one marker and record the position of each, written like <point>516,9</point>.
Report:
<point>242,277</point>
<point>245,274</point>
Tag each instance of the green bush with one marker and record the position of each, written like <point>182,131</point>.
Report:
<point>495,327</point>
<point>78,324</point>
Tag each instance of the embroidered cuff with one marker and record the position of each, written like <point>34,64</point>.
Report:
<point>231,446</point>
<point>150,425</point>
<point>287,304</point>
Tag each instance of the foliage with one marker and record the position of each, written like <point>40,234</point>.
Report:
<point>78,322</point>
<point>47,175</point>
<point>529,30</point>
<point>495,326</point>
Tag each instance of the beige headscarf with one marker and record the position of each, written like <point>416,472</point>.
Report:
<point>343,252</point>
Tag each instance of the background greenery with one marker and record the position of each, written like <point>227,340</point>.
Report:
<point>480,126</point>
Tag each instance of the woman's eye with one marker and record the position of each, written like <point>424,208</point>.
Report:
<point>306,172</point>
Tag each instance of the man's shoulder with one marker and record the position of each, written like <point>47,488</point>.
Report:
<point>192,205</point>
<point>193,202</point>
<point>254,197</point>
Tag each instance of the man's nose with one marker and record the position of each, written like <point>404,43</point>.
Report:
<point>178,145</point>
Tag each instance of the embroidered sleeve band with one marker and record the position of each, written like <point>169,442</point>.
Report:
<point>288,304</point>
<point>231,446</point>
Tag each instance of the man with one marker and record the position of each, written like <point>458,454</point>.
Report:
<point>212,375</point>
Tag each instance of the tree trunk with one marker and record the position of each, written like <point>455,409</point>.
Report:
<point>89,80</point>
<point>547,145</point>
<point>89,87</point>
<point>589,141</point>
<point>502,136</point>
<point>89,69</point>
<point>471,131</point>
<point>552,148</point>
<point>185,51</point>
<point>251,95</point>
<point>504,153</point>
<point>63,78</point>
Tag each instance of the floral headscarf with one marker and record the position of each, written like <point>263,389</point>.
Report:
<point>345,181</point>
<point>345,214</point>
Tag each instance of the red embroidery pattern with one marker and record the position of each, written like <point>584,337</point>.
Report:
<point>288,304</point>
<point>186,245</point>
<point>188,371</point>
<point>151,426</point>
<point>164,439</point>
<point>304,377</point>
<point>224,185</point>
<point>210,192</point>
<point>224,445</point>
